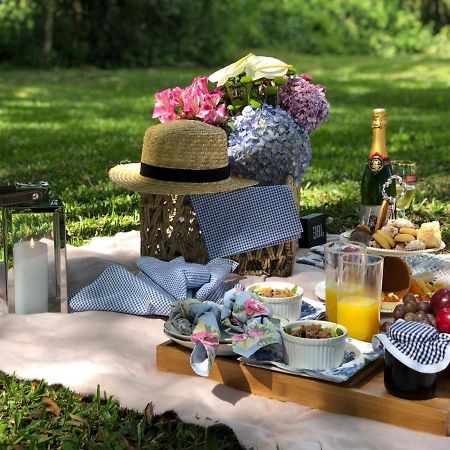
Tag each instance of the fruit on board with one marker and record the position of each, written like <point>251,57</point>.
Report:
<point>443,320</point>
<point>440,299</point>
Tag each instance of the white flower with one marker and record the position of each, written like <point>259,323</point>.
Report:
<point>255,67</point>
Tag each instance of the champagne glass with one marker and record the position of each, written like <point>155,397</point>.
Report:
<point>332,252</point>
<point>406,170</point>
<point>360,279</point>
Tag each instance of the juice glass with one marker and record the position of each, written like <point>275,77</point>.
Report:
<point>359,294</point>
<point>332,252</point>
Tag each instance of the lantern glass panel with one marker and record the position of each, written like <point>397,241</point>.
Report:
<point>34,254</point>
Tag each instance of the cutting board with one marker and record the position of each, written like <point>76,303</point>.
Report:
<point>363,395</point>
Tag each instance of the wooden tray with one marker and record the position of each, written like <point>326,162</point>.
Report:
<point>363,395</point>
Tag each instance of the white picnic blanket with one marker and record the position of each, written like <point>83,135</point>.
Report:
<point>117,351</point>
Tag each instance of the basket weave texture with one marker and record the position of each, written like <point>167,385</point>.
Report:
<point>169,229</point>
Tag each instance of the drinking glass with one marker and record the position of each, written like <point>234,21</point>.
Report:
<point>359,294</point>
<point>406,170</point>
<point>332,252</point>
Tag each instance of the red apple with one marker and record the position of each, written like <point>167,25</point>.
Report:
<point>443,320</point>
<point>440,299</point>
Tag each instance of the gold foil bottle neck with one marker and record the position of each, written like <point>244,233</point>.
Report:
<point>379,118</point>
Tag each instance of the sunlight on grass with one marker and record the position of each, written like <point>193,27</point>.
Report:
<point>69,126</point>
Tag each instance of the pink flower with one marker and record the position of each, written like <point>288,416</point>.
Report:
<point>208,339</point>
<point>255,333</point>
<point>193,102</point>
<point>253,306</point>
<point>239,338</point>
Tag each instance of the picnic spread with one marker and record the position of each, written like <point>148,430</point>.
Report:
<point>212,306</point>
<point>117,351</point>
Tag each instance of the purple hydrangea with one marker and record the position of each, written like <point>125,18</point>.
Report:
<point>267,145</point>
<point>306,102</point>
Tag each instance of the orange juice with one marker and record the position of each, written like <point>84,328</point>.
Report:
<point>331,303</point>
<point>360,315</point>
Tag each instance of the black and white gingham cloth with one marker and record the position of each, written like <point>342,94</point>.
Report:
<point>417,345</point>
<point>155,288</point>
<point>246,219</point>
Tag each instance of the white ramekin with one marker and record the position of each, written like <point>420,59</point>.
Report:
<point>313,354</point>
<point>287,307</point>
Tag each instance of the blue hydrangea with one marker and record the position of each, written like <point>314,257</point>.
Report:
<point>267,145</point>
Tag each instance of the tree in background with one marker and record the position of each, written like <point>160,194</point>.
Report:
<point>109,33</point>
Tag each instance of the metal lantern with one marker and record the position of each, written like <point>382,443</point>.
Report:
<point>33,236</point>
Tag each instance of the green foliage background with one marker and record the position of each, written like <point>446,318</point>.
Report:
<point>111,33</point>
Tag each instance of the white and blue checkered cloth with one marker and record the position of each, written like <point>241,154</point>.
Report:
<point>153,290</point>
<point>246,219</point>
<point>417,345</point>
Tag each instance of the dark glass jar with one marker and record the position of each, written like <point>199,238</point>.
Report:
<point>403,382</point>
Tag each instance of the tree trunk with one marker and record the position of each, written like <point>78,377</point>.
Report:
<point>48,27</point>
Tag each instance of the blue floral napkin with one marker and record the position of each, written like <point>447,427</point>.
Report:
<point>246,219</point>
<point>155,288</point>
<point>242,315</point>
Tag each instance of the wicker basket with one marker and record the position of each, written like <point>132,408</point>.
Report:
<point>169,229</point>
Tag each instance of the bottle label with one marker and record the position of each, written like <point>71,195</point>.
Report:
<point>369,214</point>
<point>377,162</point>
<point>410,179</point>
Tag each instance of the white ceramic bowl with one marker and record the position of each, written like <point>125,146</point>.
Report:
<point>313,354</point>
<point>284,307</point>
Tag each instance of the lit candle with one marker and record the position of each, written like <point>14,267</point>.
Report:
<point>30,277</point>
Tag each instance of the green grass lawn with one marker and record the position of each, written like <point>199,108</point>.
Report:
<point>70,126</point>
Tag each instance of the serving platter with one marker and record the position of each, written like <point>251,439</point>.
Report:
<point>383,252</point>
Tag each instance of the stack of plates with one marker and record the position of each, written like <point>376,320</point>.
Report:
<point>225,347</point>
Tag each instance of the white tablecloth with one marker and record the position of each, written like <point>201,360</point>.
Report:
<point>117,351</point>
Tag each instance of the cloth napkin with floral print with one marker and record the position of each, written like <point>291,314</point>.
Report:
<point>242,317</point>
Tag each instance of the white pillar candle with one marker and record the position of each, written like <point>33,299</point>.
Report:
<point>30,277</point>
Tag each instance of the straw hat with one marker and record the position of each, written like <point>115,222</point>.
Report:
<point>180,157</point>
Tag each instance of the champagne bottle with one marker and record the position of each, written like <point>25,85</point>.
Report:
<point>378,170</point>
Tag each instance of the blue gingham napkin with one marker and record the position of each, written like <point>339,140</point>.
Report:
<point>315,257</point>
<point>155,288</point>
<point>417,345</point>
<point>246,219</point>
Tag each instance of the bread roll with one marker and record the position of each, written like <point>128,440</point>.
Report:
<point>430,233</point>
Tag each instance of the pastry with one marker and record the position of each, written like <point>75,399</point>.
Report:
<point>404,238</point>
<point>430,234</point>
<point>383,215</point>
<point>381,240</point>
<point>391,230</point>
<point>415,245</point>
<point>401,223</point>
<point>387,236</point>
<point>411,231</point>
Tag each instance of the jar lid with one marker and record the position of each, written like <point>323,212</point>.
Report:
<point>417,345</point>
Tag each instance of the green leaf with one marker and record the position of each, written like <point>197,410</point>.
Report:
<point>291,71</point>
<point>294,289</point>
<point>279,81</point>
<point>255,103</point>
<point>246,79</point>
<point>239,103</point>
<point>230,107</point>
<point>339,332</point>
<point>271,90</point>
<point>288,330</point>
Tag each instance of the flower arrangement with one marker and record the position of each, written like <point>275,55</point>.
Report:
<point>267,109</point>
